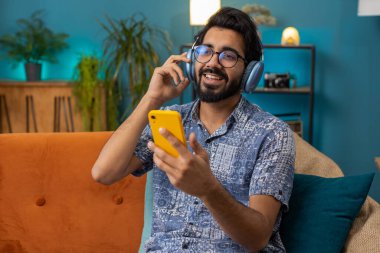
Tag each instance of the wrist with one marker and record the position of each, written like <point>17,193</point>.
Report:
<point>214,190</point>
<point>153,102</point>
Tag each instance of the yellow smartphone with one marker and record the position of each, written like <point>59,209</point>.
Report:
<point>170,120</point>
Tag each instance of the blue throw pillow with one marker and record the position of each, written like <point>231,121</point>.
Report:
<point>322,211</point>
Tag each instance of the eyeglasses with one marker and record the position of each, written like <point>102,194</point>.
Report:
<point>226,58</point>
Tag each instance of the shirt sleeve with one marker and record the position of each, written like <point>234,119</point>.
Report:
<point>143,153</point>
<point>274,169</point>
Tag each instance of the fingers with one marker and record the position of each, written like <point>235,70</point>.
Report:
<point>178,145</point>
<point>182,86</point>
<point>176,73</point>
<point>163,165</point>
<point>178,58</point>
<point>161,155</point>
<point>197,147</point>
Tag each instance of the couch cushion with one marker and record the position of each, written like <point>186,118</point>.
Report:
<point>322,211</point>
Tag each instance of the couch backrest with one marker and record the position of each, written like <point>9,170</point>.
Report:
<point>50,203</point>
<point>312,162</point>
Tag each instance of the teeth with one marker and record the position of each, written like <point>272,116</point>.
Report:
<point>213,77</point>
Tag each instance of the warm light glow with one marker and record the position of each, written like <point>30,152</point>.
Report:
<point>290,37</point>
<point>369,8</point>
<point>201,10</point>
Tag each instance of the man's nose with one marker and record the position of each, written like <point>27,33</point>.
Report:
<point>214,61</point>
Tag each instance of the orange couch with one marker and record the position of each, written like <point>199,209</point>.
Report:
<point>50,203</point>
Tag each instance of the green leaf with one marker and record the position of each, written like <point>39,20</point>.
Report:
<point>87,91</point>
<point>130,57</point>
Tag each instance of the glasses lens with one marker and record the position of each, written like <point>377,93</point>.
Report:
<point>203,53</point>
<point>228,58</point>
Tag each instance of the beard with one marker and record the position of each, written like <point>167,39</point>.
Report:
<point>208,95</point>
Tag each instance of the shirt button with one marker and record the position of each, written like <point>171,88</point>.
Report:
<point>190,223</point>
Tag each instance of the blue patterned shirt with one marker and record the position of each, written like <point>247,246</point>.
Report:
<point>252,153</point>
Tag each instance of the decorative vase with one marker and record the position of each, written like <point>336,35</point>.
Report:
<point>33,71</point>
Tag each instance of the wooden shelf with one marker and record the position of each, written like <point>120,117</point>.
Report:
<point>52,83</point>
<point>42,108</point>
<point>298,90</point>
<point>304,46</point>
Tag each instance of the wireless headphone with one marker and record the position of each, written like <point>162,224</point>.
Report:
<point>250,79</point>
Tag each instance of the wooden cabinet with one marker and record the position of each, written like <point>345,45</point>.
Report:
<point>46,106</point>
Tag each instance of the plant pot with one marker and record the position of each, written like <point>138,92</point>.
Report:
<point>33,71</point>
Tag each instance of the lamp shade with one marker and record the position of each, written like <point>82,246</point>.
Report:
<point>369,8</point>
<point>201,10</point>
<point>290,37</point>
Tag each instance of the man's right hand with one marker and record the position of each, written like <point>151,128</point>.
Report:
<point>168,81</point>
<point>117,158</point>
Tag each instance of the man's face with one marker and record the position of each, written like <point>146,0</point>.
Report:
<point>213,81</point>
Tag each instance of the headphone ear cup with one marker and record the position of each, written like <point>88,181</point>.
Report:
<point>189,67</point>
<point>252,75</point>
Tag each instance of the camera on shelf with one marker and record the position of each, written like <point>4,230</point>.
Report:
<point>277,80</point>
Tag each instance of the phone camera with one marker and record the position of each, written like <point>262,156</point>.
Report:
<point>153,117</point>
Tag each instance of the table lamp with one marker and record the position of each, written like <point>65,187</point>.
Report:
<point>290,37</point>
<point>201,10</point>
<point>369,8</point>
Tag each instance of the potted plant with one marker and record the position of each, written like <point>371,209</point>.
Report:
<point>130,57</point>
<point>32,44</point>
<point>87,90</point>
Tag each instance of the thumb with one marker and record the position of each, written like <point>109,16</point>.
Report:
<point>197,148</point>
<point>183,84</point>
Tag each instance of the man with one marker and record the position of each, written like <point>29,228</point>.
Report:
<point>227,190</point>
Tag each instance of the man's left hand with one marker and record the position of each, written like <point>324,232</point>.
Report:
<point>189,172</point>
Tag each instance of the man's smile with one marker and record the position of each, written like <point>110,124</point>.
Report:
<point>212,77</point>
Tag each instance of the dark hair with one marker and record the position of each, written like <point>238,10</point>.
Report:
<point>240,22</point>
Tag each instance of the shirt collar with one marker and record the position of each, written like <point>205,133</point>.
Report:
<point>194,113</point>
<point>239,114</point>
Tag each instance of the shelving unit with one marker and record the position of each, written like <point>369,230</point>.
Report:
<point>306,90</point>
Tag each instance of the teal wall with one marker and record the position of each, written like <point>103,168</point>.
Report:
<point>347,114</point>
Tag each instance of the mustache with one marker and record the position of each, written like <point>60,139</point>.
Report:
<point>213,71</point>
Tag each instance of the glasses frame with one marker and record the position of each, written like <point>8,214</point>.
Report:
<point>218,53</point>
